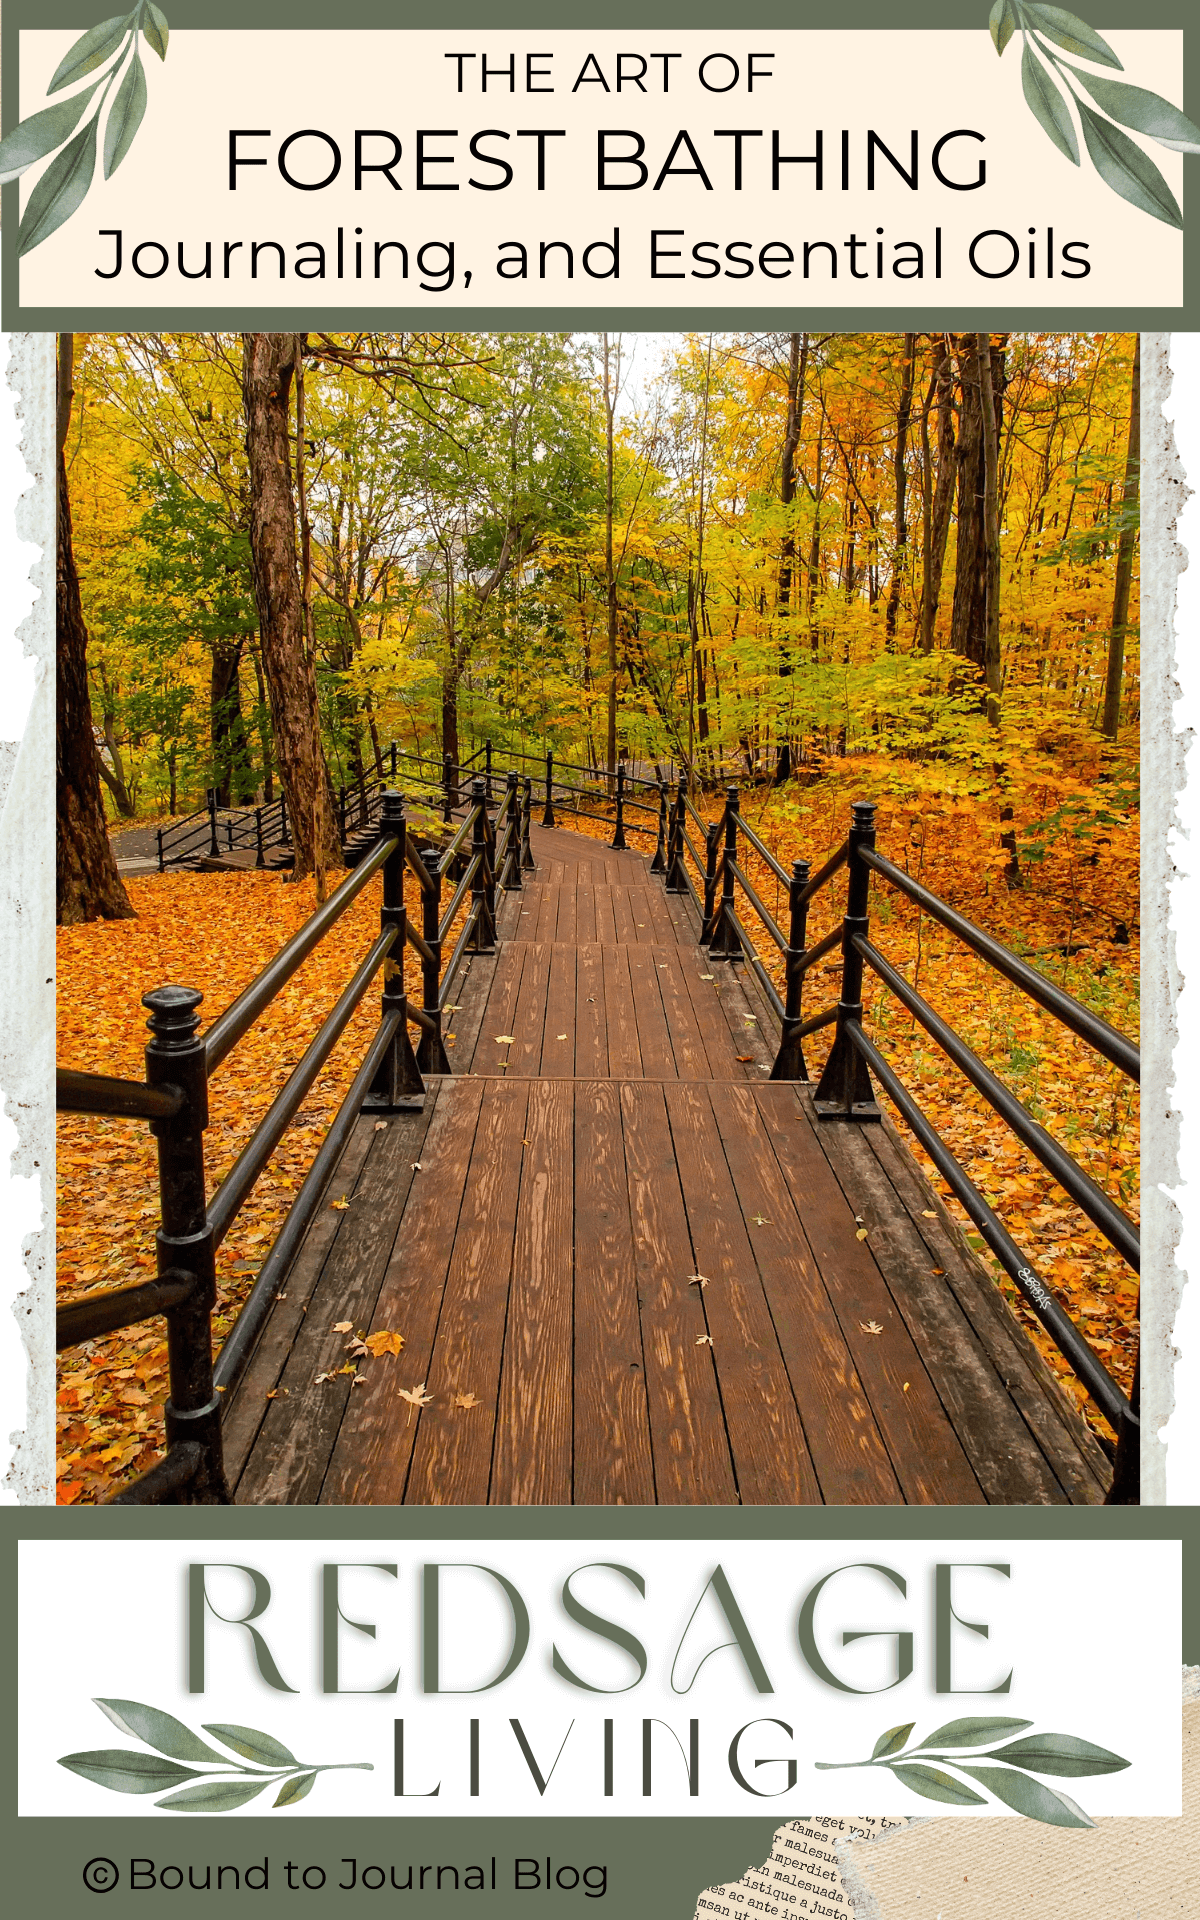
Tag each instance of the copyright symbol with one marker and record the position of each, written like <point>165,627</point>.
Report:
<point>100,1875</point>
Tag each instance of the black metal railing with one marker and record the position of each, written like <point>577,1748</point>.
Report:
<point>173,1099</point>
<point>846,1091</point>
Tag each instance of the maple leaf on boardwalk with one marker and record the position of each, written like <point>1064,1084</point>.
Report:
<point>760,1219</point>
<point>870,1326</point>
<point>705,1340</point>
<point>416,1397</point>
<point>746,1058</point>
<point>504,1039</point>
<point>343,1326</point>
<point>383,1342</point>
<point>861,1234</point>
<point>697,1280</point>
<point>339,1206</point>
<point>466,1400</point>
<point>381,1126</point>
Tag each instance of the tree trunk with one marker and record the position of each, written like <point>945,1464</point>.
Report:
<point>943,496</point>
<point>900,454</point>
<point>970,629</point>
<point>797,379</point>
<point>88,884</point>
<point>268,364</point>
<point>230,755</point>
<point>1125,546</point>
<point>989,398</point>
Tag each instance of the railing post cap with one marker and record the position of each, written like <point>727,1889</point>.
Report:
<point>732,795</point>
<point>478,788</point>
<point>393,803</point>
<point>862,815</point>
<point>801,871</point>
<point>173,1017</point>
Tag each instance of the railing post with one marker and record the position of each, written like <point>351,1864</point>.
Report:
<point>659,862</point>
<point>483,888</point>
<point>162,865</point>
<point>1126,1488</point>
<point>175,1057</point>
<point>398,1086</point>
<point>448,784</point>
<point>527,859</point>
<point>431,1053</point>
<point>393,759</point>
<point>844,1091</point>
<point>283,820</point>
<point>512,859</point>
<point>618,839</point>
<point>487,761</point>
<point>789,1061</point>
<point>213,847</point>
<point>259,859</point>
<point>723,942</point>
<point>548,815</point>
<point>675,882</point>
<point>712,835</point>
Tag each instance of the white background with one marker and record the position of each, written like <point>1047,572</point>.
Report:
<point>1090,1632</point>
<point>174,184</point>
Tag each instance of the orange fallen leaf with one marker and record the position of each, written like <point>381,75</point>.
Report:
<point>870,1326</point>
<point>383,1342</point>
<point>466,1400</point>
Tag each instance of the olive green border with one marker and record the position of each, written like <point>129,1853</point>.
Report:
<point>771,15</point>
<point>657,1866</point>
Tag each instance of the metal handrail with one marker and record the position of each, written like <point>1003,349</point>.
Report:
<point>98,1093</point>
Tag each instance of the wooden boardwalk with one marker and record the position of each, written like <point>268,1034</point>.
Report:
<point>636,1260</point>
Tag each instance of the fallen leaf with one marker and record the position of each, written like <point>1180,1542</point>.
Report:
<point>504,1039</point>
<point>383,1342</point>
<point>760,1220</point>
<point>343,1326</point>
<point>752,1018</point>
<point>416,1397</point>
<point>937,1272</point>
<point>708,976</point>
<point>562,1036</point>
<point>746,1058</point>
<point>698,1280</point>
<point>861,1234</point>
<point>281,1296</point>
<point>416,1166</point>
<point>906,1386</point>
<point>359,1380</point>
<point>705,1340</point>
<point>339,1206</point>
<point>870,1326</point>
<point>381,1126</point>
<point>466,1400</point>
<point>927,1213</point>
<point>320,1377</point>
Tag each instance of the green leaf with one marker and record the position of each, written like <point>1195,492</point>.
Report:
<point>1145,112</point>
<point>253,1746</point>
<point>933,1784</point>
<point>1069,31</point>
<point>295,1789</point>
<point>1047,105</point>
<point>215,1796</point>
<point>61,189</point>
<point>1001,24</point>
<point>1127,170</point>
<point>1026,1796</point>
<point>34,138</point>
<point>90,51</point>
<point>125,116</point>
<point>891,1741</point>
<point>154,26</point>
<point>975,1731</point>
<point>126,1772</point>
<point>159,1730</point>
<point>1059,1753</point>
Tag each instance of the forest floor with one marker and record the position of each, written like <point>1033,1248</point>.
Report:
<point>1075,917</point>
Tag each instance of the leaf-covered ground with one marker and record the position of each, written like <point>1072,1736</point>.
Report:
<point>214,932</point>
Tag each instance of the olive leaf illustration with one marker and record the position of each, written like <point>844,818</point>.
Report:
<point>64,185</point>
<point>1049,82</point>
<point>1057,1754</point>
<point>125,1770</point>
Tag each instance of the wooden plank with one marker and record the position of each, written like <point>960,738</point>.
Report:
<point>624,925</point>
<point>687,1042</point>
<point>654,1044</point>
<point>534,1409</point>
<point>489,1056</point>
<point>529,1020</point>
<point>371,1460</point>
<point>585,912</point>
<point>613,1459</point>
<point>624,1054</point>
<point>848,1451</point>
<point>546,926</point>
<point>1063,1435</point>
<point>558,1040</point>
<point>770,1455</point>
<point>692,1464</point>
<point>246,1411</point>
<point>591,1026</point>
<point>926,1453</point>
<point>711,1022</point>
<point>606,932</point>
<point>297,1437</point>
<point>662,929</point>
<point>452,1457</point>
<point>462,1018</point>
<point>1007,1461</point>
<point>568,927</point>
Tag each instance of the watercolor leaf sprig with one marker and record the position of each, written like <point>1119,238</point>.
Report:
<point>1049,83</point>
<point>63,187</point>
<point>1058,1754</point>
<point>214,1789</point>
